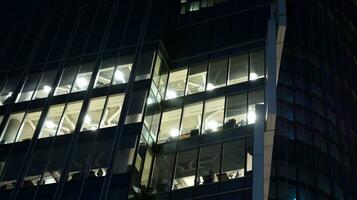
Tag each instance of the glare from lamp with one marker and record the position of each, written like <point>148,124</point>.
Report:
<point>251,117</point>
<point>210,86</point>
<point>87,119</point>
<point>82,82</point>
<point>212,124</point>
<point>174,133</point>
<point>253,76</point>
<point>150,100</point>
<point>119,76</point>
<point>171,94</point>
<point>50,124</point>
<point>47,89</point>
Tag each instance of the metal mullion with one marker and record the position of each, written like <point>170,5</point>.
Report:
<point>204,101</point>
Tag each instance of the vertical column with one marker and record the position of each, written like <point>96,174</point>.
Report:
<point>258,153</point>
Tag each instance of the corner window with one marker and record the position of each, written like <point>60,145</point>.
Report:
<point>176,85</point>
<point>93,115</point>
<point>256,65</point>
<point>238,69</point>
<point>213,115</point>
<point>196,79</point>
<point>217,74</point>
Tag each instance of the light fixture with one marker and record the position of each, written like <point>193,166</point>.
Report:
<point>253,76</point>
<point>251,117</point>
<point>87,119</point>
<point>50,124</point>
<point>174,133</point>
<point>150,100</point>
<point>82,82</point>
<point>47,89</point>
<point>171,94</point>
<point>210,86</point>
<point>212,124</point>
<point>119,76</point>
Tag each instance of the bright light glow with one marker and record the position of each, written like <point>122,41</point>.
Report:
<point>47,89</point>
<point>210,86</point>
<point>119,76</point>
<point>251,117</point>
<point>82,82</point>
<point>253,76</point>
<point>8,95</point>
<point>212,124</point>
<point>174,133</point>
<point>87,119</point>
<point>171,94</point>
<point>150,101</point>
<point>50,124</point>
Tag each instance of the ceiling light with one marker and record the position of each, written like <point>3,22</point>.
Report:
<point>119,76</point>
<point>82,82</point>
<point>210,86</point>
<point>251,117</point>
<point>171,94</point>
<point>253,76</point>
<point>50,124</point>
<point>87,119</point>
<point>47,89</point>
<point>150,100</point>
<point>212,124</point>
<point>174,133</point>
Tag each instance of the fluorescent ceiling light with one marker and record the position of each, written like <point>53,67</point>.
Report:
<point>251,117</point>
<point>47,89</point>
<point>171,94</point>
<point>253,76</point>
<point>174,132</point>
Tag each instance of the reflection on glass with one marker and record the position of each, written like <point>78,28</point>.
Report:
<point>122,73</point>
<point>176,85</point>
<point>185,169</point>
<point>105,73</point>
<point>12,127</point>
<point>28,88</point>
<point>83,78</point>
<point>70,118</point>
<point>233,160</point>
<point>256,65</point>
<point>256,97</point>
<point>28,126</point>
<point>160,76</point>
<point>93,115</point>
<point>238,69</point>
<point>196,79</point>
<point>209,163</point>
<point>217,74</point>
<point>191,120</point>
<point>45,85</point>
<point>162,173</point>
<point>112,111</point>
<point>7,91</point>
<point>213,115</point>
<point>236,110</point>
<point>170,123</point>
<point>50,126</point>
<point>67,79</point>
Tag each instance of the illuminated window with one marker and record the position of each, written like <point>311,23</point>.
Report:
<point>256,97</point>
<point>28,88</point>
<point>105,73</point>
<point>185,169</point>
<point>7,91</point>
<point>256,65</point>
<point>176,85</point>
<point>83,77</point>
<point>191,120</point>
<point>213,115</point>
<point>161,177</point>
<point>93,115</point>
<point>28,126</point>
<point>45,85</point>
<point>236,110</point>
<point>122,73</point>
<point>53,118</point>
<point>170,123</point>
<point>66,82</point>
<point>238,69</point>
<point>196,79</point>
<point>70,118</point>
<point>112,111</point>
<point>209,164</point>
<point>233,160</point>
<point>217,74</point>
<point>12,127</point>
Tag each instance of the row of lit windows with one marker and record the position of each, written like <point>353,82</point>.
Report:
<point>205,165</point>
<point>205,117</point>
<point>200,77</point>
<point>62,119</point>
<point>73,79</point>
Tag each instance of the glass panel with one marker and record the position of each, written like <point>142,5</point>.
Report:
<point>8,91</point>
<point>162,173</point>
<point>256,97</point>
<point>209,164</point>
<point>233,160</point>
<point>213,115</point>
<point>28,88</point>
<point>177,83</point>
<point>124,161</point>
<point>196,78</point>
<point>160,77</point>
<point>28,126</point>
<point>12,127</point>
<point>105,73</point>
<point>170,123</point>
<point>67,79</point>
<point>191,120</point>
<point>217,74</point>
<point>236,111</point>
<point>185,169</point>
<point>146,169</point>
<point>238,69</point>
<point>83,77</point>
<point>136,107</point>
<point>249,158</point>
<point>122,73</point>
<point>112,111</point>
<point>93,115</point>
<point>256,65</point>
<point>70,118</point>
<point>45,85</point>
<point>53,118</point>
